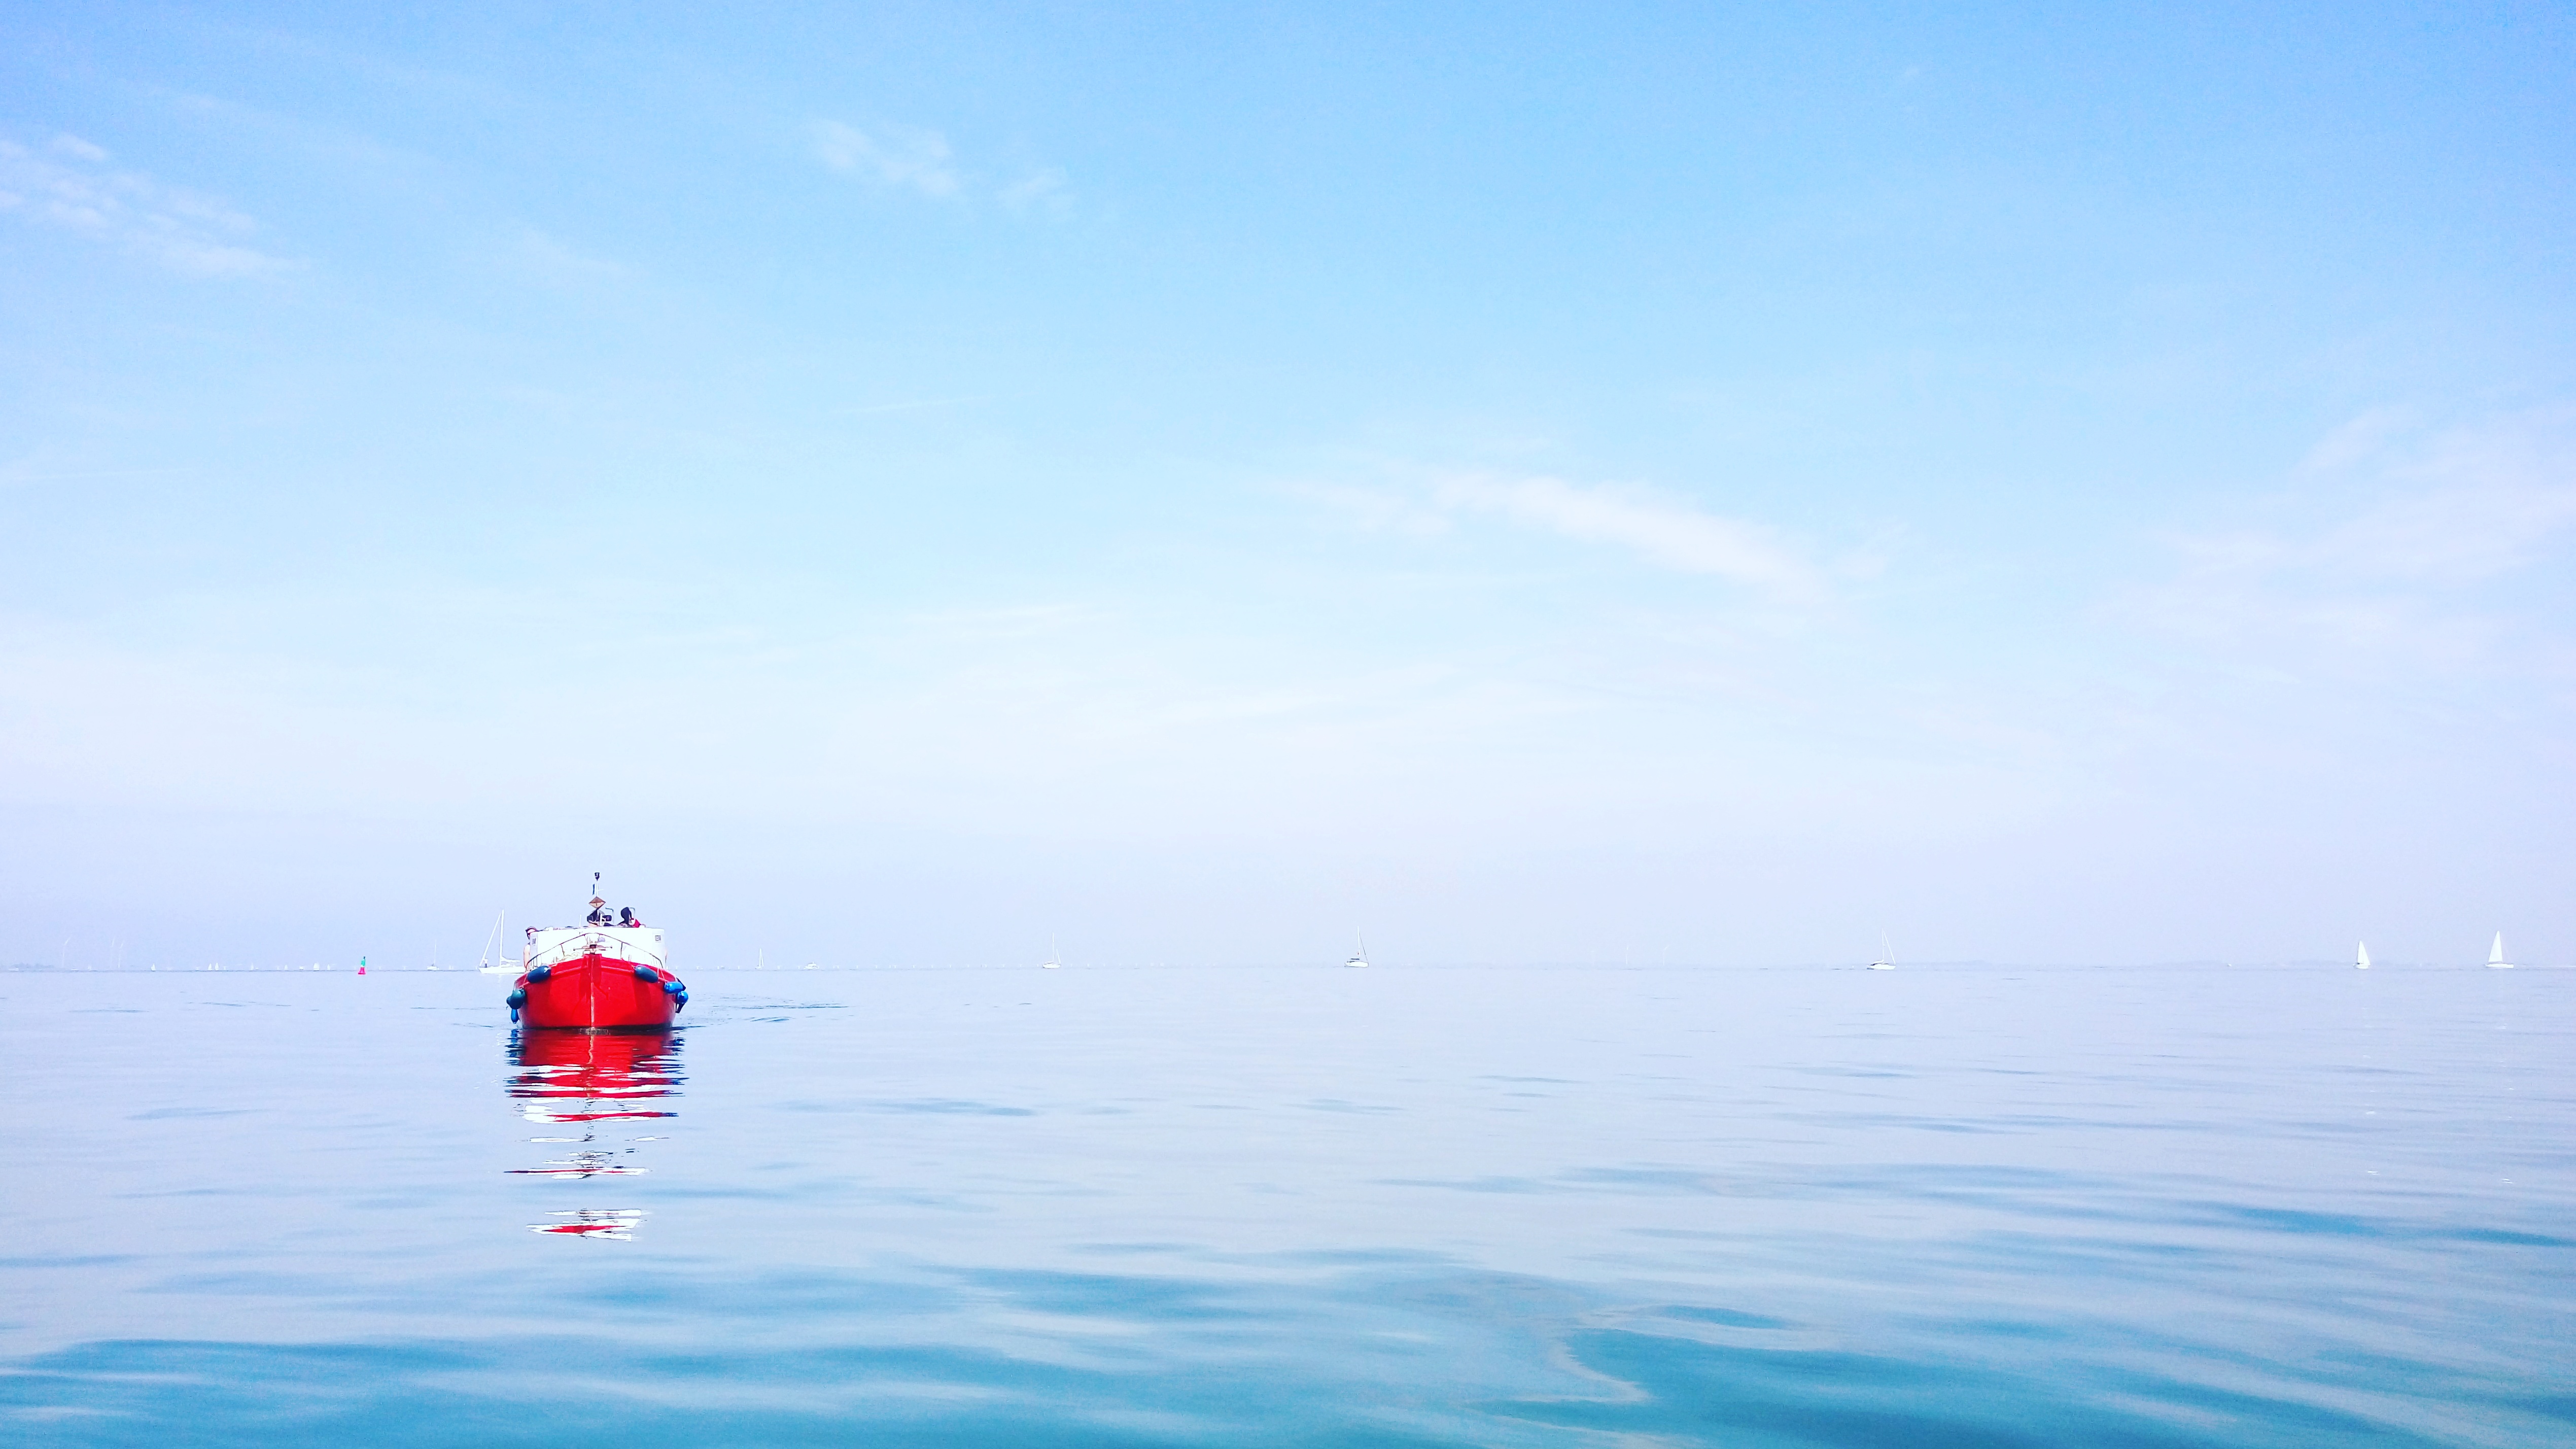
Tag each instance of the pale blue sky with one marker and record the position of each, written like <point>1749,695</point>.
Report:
<point>2067,483</point>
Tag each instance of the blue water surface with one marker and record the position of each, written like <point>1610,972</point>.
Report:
<point>1963,1206</point>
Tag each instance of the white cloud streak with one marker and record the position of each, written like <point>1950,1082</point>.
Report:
<point>919,160</point>
<point>2404,576</point>
<point>1662,531</point>
<point>1666,532</point>
<point>1045,189</point>
<point>558,261</point>
<point>72,186</point>
<point>902,157</point>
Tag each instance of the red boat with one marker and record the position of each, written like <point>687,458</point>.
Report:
<point>604,975</point>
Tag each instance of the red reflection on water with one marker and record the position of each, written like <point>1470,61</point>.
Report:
<point>588,1080</point>
<point>616,1223</point>
<point>583,1076</point>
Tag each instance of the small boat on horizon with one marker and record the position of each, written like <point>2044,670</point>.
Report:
<point>2363,963</point>
<point>1886,955</point>
<point>503,966</point>
<point>606,974</point>
<point>2495,955</point>
<point>1359,958</point>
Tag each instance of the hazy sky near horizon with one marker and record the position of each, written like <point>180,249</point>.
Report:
<point>1540,482</point>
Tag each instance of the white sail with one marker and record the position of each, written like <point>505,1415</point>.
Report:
<point>504,966</point>
<point>2495,955</point>
<point>2363,962</point>
<point>1359,958</point>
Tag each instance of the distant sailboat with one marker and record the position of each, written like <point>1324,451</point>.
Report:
<point>2362,963</point>
<point>1886,955</point>
<point>502,967</point>
<point>1053,961</point>
<point>2495,955</point>
<point>1359,958</point>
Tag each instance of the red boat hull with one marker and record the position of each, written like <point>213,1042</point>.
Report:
<point>599,993</point>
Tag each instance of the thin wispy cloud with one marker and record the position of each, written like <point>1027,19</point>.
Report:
<point>1667,532</point>
<point>72,185</point>
<point>869,410</point>
<point>1657,529</point>
<point>1046,189</point>
<point>2483,502</point>
<point>1376,510</point>
<point>903,157</point>
<point>2403,576</point>
<point>557,261</point>
<point>919,160</point>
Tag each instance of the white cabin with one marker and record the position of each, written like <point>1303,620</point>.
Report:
<point>553,947</point>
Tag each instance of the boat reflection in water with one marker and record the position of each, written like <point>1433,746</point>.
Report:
<point>601,1085</point>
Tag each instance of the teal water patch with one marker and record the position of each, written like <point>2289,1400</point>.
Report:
<point>1069,1360</point>
<point>1753,1399</point>
<point>1097,1360</point>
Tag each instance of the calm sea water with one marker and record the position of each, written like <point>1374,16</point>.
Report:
<point>1297,1207</point>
